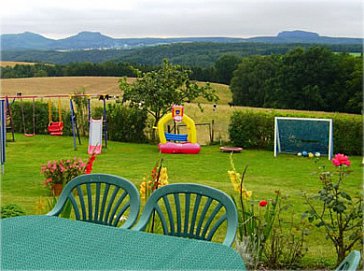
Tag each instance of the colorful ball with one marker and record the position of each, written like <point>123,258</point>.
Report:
<point>304,153</point>
<point>299,154</point>
<point>317,154</point>
<point>310,154</point>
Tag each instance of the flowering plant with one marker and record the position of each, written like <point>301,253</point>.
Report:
<point>255,225</point>
<point>158,178</point>
<point>64,170</point>
<point>339,213</point>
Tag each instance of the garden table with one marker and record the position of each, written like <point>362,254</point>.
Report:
<point>46,242</point>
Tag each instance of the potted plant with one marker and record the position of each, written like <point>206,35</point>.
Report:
<point>58,173</point>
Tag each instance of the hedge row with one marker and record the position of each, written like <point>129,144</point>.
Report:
<point>125,124</point>
<point>255,129</point>
<point>248,129</point>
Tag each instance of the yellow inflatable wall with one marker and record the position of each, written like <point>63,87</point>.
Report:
<point>191,128</point>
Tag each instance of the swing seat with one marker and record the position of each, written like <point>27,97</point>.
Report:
<point>55,128</point>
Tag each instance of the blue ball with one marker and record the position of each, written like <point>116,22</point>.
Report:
<point>304,153</point>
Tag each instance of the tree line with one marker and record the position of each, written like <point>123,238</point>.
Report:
<point>221,72</point>
<point>312,79</point>
<point>194,54</point>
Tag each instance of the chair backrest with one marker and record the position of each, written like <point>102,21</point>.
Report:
<point>191,211</point>
<point>100,198</point>
<point>351,262</point>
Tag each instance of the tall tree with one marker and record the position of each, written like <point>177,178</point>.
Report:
<point>249,84</point>
<point>225,66</point>
<point>306,77</point>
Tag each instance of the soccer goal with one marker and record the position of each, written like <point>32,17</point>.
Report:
<point>294,135</point>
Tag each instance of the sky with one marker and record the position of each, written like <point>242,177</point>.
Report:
<point>185,18</point>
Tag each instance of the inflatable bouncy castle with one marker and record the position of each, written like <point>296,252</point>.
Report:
<point>178,143</point>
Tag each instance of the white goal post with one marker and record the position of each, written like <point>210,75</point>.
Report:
<point>294,135</point>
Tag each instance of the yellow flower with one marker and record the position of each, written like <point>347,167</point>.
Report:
<point>247,194</point>
<point>144,189</point>
<point>235,179</point>
<point>163,178</point>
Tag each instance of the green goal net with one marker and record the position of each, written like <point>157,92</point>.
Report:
<point>294,135</point>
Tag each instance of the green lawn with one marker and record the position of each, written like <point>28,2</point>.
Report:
<point>22,181</point>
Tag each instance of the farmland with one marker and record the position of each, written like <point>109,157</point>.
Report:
<point>13,63</point>
<point>59,85</point>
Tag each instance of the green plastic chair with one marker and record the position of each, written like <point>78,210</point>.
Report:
<point>191,211</point>
<point>351,262</point>
<point>101,199</point>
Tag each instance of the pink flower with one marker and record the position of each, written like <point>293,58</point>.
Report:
<point>47,181</point>
<point>263,203</point>
<point>341,159</point>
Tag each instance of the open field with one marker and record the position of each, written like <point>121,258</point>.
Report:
<point>13,63</point>
<point>59,85</point>
<point>292,175</point>
<point>69,85</point>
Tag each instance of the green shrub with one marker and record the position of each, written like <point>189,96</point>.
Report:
<point>11,210</point>
<point>126,124</point>
<point>348,134</point>
<point>20,108</point>
<point>252,129</point>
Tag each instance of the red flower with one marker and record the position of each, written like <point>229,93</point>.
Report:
<point>263,203</point>
<point>341,159</point>
<point>89,164</point>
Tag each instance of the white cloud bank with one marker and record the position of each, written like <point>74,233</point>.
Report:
<point>168,18</point>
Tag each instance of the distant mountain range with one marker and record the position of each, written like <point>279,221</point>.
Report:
<point>98,41</point>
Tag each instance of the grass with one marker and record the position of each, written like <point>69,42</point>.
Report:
<point>22,181</point>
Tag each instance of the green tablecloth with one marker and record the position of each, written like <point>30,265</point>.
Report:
<point>42,242</point>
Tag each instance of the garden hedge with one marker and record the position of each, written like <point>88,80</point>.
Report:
<point>255,129</point>
<point>126,124</point>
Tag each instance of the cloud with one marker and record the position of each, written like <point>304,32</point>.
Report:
<point>140,18</point>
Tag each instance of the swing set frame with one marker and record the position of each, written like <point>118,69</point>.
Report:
<point>73,118</point>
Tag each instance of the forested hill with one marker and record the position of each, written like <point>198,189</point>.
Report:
<point>197,54</point>
<point>94,40</point>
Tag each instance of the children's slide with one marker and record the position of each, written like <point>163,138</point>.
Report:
<point>95,136</point>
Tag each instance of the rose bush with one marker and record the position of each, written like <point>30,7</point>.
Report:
<point>334,210</point>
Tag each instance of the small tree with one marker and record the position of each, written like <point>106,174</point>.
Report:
<point>158,90</point>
